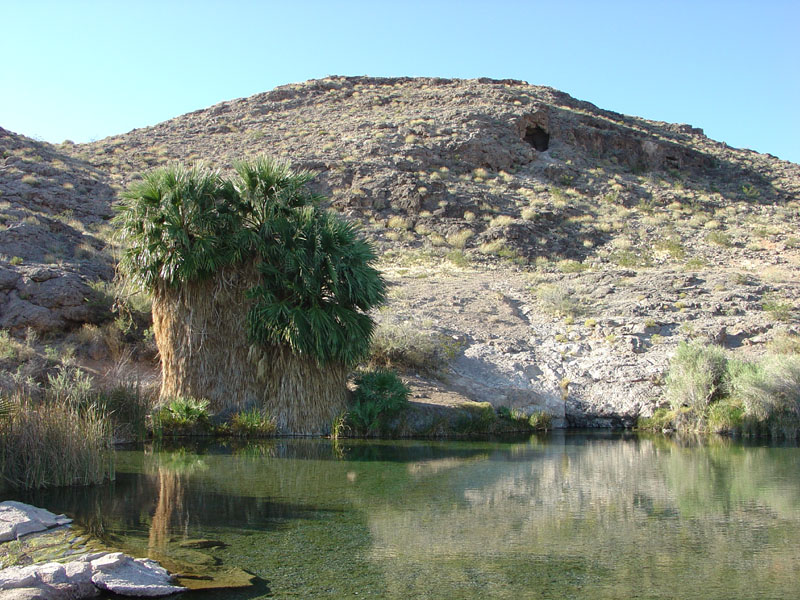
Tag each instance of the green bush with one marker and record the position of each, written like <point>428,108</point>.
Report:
<point>696,376</point>
<point>540,421</point>
<point>771,392</point>
<point>379,396</point>
<point>725,416</point>
<point>710,392</point>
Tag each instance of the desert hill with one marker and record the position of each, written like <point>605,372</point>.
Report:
<point>564,248</point>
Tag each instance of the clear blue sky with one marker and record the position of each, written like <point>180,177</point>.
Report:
<point>86,70</point>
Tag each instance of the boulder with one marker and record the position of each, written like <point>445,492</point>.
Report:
<point>121,574</point>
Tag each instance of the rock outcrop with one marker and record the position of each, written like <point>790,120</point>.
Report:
<point>53,212</point>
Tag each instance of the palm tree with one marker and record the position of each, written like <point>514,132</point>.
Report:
<point>260,297</point>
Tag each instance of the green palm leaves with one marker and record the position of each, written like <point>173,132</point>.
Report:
<point>316,279</point>
<point>175,225</point>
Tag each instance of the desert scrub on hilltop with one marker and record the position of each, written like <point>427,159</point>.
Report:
<point>710,391</point>
<point>266,291</point>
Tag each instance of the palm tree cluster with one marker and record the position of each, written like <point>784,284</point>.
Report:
<point>304,275</point>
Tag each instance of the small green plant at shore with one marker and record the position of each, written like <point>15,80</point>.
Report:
<point>182,415</point>
<point>540,421</point>
<point>45,443</point>
<point>537,420</point>
<point>379,396</point>
<point>253,422</point>
<point>476,418</point>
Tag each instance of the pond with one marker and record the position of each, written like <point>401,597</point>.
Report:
<point>566,515</point>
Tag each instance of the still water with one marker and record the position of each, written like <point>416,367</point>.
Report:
<point>565,515</point>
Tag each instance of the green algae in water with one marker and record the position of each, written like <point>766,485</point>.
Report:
<point>556,516</point>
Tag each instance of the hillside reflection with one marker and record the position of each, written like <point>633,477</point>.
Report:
<point>569,515</point>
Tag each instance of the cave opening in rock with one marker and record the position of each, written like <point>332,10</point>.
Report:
<point>537,137</point>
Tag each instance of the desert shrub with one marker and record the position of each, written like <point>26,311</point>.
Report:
<point>406,348</point>
<point>696,376</point>
<point>253,422</point>
<point>69,386</point>
<point>625,257</point>
<point>558,300</point>
<point>459,239</point>
<point>785,343</point>
<point>9,347</point>
<point>770,392</point>
<point>778,308</point>
<point>458,258</point>
<point>379,396</point>
<point>571,266</point>
<point>720,238</point>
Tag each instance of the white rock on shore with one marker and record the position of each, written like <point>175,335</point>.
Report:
<point>83,577</point>
<point>18,519</point>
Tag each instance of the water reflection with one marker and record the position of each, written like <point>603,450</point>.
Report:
<point>581,515</point>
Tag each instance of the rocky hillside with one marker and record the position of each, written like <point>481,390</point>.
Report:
<point>53,208</point>
<point>565,248</point>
